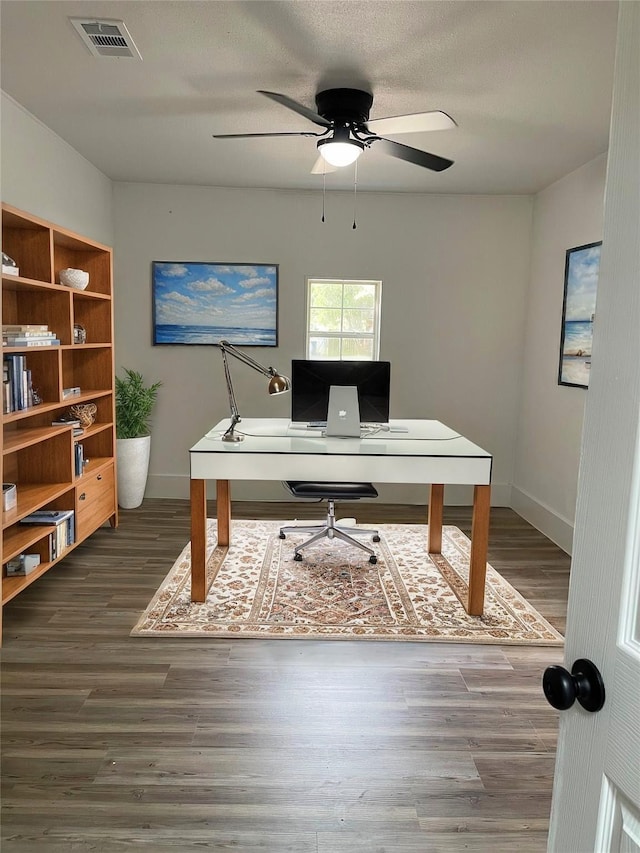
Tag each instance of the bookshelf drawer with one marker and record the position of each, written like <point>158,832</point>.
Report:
<point>96,500</point>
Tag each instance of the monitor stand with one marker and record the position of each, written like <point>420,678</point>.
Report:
<point>343,415</point>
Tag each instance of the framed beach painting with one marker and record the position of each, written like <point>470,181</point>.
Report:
<point>197,302</point>
<point>578,313</point>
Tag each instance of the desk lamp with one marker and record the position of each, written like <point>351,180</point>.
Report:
<point>278,384</point>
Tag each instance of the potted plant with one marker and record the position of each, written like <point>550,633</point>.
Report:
<point>134,404</point>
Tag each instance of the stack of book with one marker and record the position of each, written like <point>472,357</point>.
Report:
<point>64,528</point>
<point>17,388</point>
<point>67,419</point>
<point>28,335</point>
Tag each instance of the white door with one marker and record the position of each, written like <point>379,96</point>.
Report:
<point>596,798</point>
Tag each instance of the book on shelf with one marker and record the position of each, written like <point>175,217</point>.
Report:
<point>16,366</point>
<point>78,452</point>
<point>9,270</point>
<point>71,392</point>
<point>30,342</point>
<point>66,420</point>
<point>47,516</point>
<point>6,388</point>
<point>24,327</point>
<point>60,538</point>
<point>64,523</point>
<point>17,384</point>
<point>22,333</point>
<point>27,333</point>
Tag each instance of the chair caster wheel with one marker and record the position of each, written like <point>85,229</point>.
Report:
<point>375,538</point>
<point>282,536</point>
<point>373,559</point>
<point>298,558</point>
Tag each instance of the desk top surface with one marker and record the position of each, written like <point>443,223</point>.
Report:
<point>402,438</point>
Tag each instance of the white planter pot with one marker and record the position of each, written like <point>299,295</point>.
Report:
<point>132,460</point>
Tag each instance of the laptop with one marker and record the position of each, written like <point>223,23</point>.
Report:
<point>343,415</point>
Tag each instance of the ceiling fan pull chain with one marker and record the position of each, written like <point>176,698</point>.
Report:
<point>355,189</point>
<point>324,182</point>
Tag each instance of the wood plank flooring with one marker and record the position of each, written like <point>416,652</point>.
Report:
<point>112,743</point>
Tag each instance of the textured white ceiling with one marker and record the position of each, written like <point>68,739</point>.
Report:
<point>529,84</point>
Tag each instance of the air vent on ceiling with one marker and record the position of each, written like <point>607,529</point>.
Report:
<point>106,37</point>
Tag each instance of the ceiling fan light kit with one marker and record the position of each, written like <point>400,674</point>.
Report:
<point>340,149</point>
<point>344,116</point>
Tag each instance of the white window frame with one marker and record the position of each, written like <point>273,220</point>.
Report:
<point>375,335</point>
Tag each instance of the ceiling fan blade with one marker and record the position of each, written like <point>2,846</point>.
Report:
<point>412,155</point>
<point>250,135</point>
<point>321,167</point>
<point>412,123</point>
<point>296,107</point>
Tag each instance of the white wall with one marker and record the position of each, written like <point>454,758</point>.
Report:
<point>45,176</point>
<point>454,272</point>
<point>568,213</point>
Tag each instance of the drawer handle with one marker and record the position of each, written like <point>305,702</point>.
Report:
<point>82,497</point>
<point>99,477</point>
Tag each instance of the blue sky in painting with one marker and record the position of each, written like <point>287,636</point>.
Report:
<point>226,295</point>
<point>582,283</point>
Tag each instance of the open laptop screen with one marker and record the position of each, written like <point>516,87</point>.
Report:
<point>311,380</point>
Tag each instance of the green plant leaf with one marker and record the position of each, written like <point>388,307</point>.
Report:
<point>134,404</point>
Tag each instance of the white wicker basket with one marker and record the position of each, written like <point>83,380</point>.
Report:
<point>78,279</point>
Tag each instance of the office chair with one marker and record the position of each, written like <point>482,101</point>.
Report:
<point>331,492</point>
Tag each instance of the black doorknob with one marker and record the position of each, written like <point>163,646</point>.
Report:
<point>583,683</point>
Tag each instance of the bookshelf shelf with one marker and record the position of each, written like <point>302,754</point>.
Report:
<point>38,457</point>
<point>20,438</point>
<point>24,536</point>
<point>30,498</point>
<point>12,586</point>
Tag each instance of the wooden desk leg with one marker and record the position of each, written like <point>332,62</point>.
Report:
<point>436,499</point>
<point>479,547</point>
<point>198,540</point>
<point>223,511</point>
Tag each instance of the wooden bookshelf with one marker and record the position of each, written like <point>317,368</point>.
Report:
<point>37,456</point>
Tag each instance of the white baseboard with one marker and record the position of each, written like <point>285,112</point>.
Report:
<point>177,487</point>
<point>543,518</point>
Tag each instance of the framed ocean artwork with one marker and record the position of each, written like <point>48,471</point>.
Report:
<point>196,302</point>
<point>581,270</point>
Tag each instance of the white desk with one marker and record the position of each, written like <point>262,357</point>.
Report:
<point>412,451</point>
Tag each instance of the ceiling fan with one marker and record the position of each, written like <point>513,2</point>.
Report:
<point>344,116</point>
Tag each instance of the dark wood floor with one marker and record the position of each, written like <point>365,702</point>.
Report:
<point>112,743</point>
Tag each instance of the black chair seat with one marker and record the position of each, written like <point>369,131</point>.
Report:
<point>335,491</point>
<point>331,492</point>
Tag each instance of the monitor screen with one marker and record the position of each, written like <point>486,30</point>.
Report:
<point>311,380</point>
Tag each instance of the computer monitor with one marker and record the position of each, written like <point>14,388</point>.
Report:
<point>312,379</point>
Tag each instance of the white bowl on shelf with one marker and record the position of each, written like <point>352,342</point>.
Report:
<point>78,279</point>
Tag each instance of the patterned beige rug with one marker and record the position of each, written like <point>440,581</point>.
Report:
<point>335,593</point>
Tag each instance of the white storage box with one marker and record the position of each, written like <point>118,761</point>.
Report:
<point>23,565</point>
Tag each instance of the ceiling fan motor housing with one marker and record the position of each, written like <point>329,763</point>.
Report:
<point>344,106</point>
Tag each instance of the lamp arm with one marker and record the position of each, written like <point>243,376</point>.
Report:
<point>235,415</point>
<point>226,347</point>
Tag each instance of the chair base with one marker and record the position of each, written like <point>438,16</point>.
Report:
<point>332,530</point>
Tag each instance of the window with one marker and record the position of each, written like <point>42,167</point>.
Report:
<point>343,319</point>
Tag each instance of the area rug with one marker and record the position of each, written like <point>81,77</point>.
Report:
<point>335,593</point>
